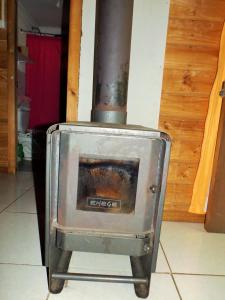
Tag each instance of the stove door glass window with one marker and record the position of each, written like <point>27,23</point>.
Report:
<point>107,185</point>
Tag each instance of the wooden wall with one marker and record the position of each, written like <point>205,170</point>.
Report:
<point>7,90</point>
<point>3,102</point>
<point>191,58</point>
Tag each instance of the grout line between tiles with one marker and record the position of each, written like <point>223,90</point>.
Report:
<point>165,257</point>
<point>165,273</point>
<point>21,212</point>
<point>192,274</point>
<point>16,199</point>
<point>171,274</point>
<point>48,296</point>
<point>199,274</point>
<point>178,292</point>
<point>15,264</point>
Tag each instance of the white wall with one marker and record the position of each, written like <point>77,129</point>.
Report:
<point>148,43</point>
<point>24,21</point>
<point>50,29</point>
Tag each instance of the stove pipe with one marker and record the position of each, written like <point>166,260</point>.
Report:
<point>111,63</point>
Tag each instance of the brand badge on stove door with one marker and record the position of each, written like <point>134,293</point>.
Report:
<point>95,202</point>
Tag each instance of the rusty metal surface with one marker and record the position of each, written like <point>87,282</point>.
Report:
<point>107,185</point>
<point>112,57</point>
<point>105,144</point>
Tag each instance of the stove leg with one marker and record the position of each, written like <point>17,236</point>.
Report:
<point>60,263</point>
<point>140,270</point>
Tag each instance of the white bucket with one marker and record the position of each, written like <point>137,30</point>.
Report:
<point>26,140</point>
<point>23,114</point>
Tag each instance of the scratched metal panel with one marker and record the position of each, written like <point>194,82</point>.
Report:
<point>148,151</point>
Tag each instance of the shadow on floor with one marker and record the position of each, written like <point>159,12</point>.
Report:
<point>38,166</point>
<point>24,166</point>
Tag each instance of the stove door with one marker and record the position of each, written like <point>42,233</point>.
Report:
<point>107,185</point>
<point>108,182</point>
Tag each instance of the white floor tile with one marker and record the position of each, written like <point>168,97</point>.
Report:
<point>190,249</point>
<point>162,288</point>
<point>162,265</point>
<point>24,179</point>
<point>25,203</point>
<point>19,239</point>
<point>12,187</point>
<point>196,287</point>
<point>23,283</point>
<point>100,263</point>
<point>21,181</point>
<point>109,263</point>
<point>6,199</point>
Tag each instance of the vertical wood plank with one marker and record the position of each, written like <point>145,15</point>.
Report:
<point>191,58</point>
<point>11,58</point>
<point>75,28</point>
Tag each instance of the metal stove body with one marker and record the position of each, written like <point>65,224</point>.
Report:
<point>106,180</point>
<point>105,193</point>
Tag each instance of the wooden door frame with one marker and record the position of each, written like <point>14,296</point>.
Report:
<point>215,215</point>
<point>11,84</point>
<point>75,28</point>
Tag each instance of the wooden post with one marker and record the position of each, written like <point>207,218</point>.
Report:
<point>11,88</point>
<point>74,59</point>
<point>215,216</point>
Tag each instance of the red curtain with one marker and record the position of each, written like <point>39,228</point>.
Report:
<point>43,79</point>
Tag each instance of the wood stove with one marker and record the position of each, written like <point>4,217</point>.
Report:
<point>105,193</point>
<point>106,180</point>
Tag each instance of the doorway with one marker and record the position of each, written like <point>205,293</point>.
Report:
<point>42,47</point>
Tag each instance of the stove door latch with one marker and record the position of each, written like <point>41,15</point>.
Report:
<point>154,189</point>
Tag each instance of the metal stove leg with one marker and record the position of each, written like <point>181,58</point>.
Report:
<point>141,267</point>
<point>61,264</point>
<point>58,262</point>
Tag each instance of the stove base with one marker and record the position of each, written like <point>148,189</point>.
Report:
<point>133,245</point>
<point>59,262</point>
<point>140,279</point>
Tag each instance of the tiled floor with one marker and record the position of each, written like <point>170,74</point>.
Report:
<point>191,262</point>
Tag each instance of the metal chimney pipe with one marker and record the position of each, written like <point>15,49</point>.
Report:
<point>112,57</point>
